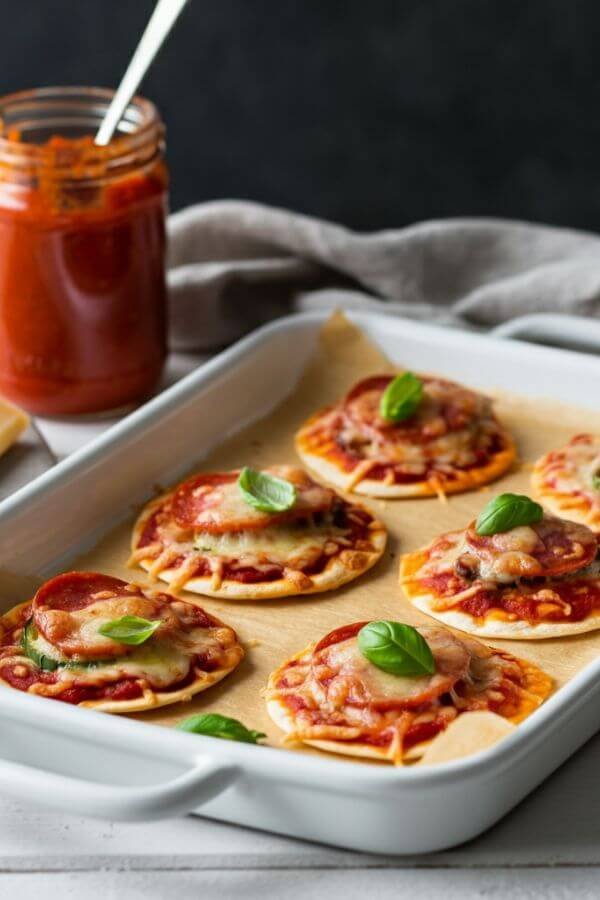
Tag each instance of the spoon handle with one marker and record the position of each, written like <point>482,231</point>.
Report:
<point>161,21</point>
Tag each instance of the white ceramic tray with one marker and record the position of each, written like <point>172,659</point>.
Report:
<point>88,763</point>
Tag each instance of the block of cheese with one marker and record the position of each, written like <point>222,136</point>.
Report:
<point>13,422</point>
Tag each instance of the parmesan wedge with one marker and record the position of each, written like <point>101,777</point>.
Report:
<point>13,422</point>
<point>469,733</point>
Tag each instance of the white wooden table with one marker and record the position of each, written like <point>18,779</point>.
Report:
<point>549,847</point>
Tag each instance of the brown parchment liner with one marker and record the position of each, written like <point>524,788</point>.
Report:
<point>271,631</point>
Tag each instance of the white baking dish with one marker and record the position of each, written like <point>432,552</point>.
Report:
<point>85,762</point>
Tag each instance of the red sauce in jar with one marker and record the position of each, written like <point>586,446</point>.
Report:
<point>82,266</point>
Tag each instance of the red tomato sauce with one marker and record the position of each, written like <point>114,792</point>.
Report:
<point>82,279</point>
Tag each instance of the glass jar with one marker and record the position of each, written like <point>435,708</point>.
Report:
<point>82,252</point>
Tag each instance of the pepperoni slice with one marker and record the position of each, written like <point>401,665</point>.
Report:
<point>340,634</point>
<point>549,548</point>
<point>446,407</point>
<point>58,613</point>
<point>75,590</point>
<point>213,503</point>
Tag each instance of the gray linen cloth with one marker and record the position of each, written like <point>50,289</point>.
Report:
<point>233,265</point>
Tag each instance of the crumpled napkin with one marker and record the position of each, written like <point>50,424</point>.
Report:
<point>233,265</point>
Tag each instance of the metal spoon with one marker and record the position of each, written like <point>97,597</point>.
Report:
<point>161,21</point>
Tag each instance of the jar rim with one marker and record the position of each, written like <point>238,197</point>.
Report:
<point>49,110</point>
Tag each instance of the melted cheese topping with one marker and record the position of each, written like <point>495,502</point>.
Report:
<point>348,698</point>
<point>505,558</point>
<point>347,660</point>
<point>160,662</point>
<point>454,449</point>
<point>285,545</point>
<point>511,556</point>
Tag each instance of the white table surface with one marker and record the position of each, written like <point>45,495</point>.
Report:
<point>548,847</point>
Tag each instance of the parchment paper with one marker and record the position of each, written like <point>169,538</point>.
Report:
<point>274,630</point>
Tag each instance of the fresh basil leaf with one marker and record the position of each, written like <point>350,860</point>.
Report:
<point>508,511</point>
<point>401,397</point>
<point>130,630</point>
<point>596,481</point>
<point>215,725</point>
<point>266,492</point>
<point>396,648</point>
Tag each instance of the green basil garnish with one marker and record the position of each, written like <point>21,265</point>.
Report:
<point>130,630</point>
<point>215,725</point>
<point>596,481</point>
<point>508,511</point>
<point>396,648</point>
<point>401,397</point>
<point>266,492</point>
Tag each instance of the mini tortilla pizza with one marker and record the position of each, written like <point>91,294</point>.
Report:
<point>97,641</point>
<point>331,696</point>
<point>528,581</point>
<point>567,481</point>
<point>284,535</point>
<point>440,439</point>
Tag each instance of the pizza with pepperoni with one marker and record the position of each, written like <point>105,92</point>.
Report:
<point>332,697</point>
<point>204,536</point>
<point>97,641</point>
<point>450,441</point>
<point>540,580</point>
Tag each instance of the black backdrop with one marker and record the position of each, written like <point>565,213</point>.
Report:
<point>373,113</point>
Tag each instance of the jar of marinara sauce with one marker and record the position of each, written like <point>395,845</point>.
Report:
<point>82,252</point>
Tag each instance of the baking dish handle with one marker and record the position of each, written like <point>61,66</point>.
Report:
<point>578,332</point>
<point>178,796</point>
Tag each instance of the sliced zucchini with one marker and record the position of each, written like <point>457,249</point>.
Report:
<point>42,661</point>
<point>50,663</point>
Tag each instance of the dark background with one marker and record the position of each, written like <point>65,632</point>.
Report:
<point>374,113</point>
